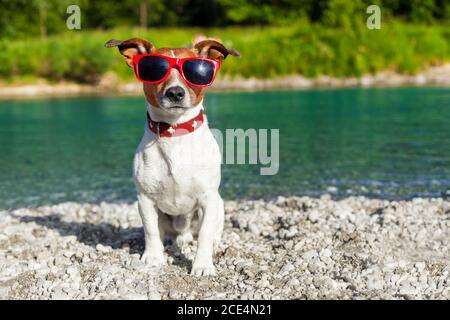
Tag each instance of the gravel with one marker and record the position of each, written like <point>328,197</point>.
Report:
<point>287,248</point>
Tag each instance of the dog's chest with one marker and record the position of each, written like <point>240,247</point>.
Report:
<point>175,172</point>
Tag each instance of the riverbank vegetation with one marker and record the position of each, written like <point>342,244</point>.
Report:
<point>309,38</point>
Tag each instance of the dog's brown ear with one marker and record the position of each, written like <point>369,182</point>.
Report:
<point>213,49</point>
<point>131,47</point>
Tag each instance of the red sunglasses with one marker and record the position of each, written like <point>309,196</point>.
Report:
<point>155,68</point>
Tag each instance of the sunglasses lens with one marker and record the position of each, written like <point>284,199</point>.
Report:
<point>198,71</point>
<point>152,68</point>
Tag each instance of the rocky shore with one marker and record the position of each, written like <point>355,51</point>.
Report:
<point>287,248</point>
<point>109,83</point>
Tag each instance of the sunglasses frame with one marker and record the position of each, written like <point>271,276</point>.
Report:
<point>175,63</point>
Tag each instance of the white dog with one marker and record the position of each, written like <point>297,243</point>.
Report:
<point>177,163</point>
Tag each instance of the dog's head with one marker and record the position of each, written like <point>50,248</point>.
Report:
<point>174,95</point>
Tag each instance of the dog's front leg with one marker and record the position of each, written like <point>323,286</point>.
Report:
<point>203,263</point>
<point>154,249</point>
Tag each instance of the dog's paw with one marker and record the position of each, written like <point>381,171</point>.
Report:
<point>184,239</point>
<point>153,259</point>
<point>199,270</point>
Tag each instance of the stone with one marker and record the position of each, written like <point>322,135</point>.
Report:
<point>292,283</point>
<point>72,271</point>
<point>4,291</point>
<point>240,266</point>
<point>174,294</point>
<point>407,290</point>
<point>253,229</point>
<point>420,266</point>
<point>68,254</point>
<point>136,263</point>
<point>325,253</point>
<point>313,216</point>
<point>101,248</point>
<point>154,295</point>
<point>288,267</point>
<point>136,296</point>
<point>310,255</point>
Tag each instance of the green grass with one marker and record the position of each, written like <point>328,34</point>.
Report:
<point>306,49</point>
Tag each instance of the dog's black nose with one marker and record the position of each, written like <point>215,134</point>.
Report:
<point>175,94</point>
